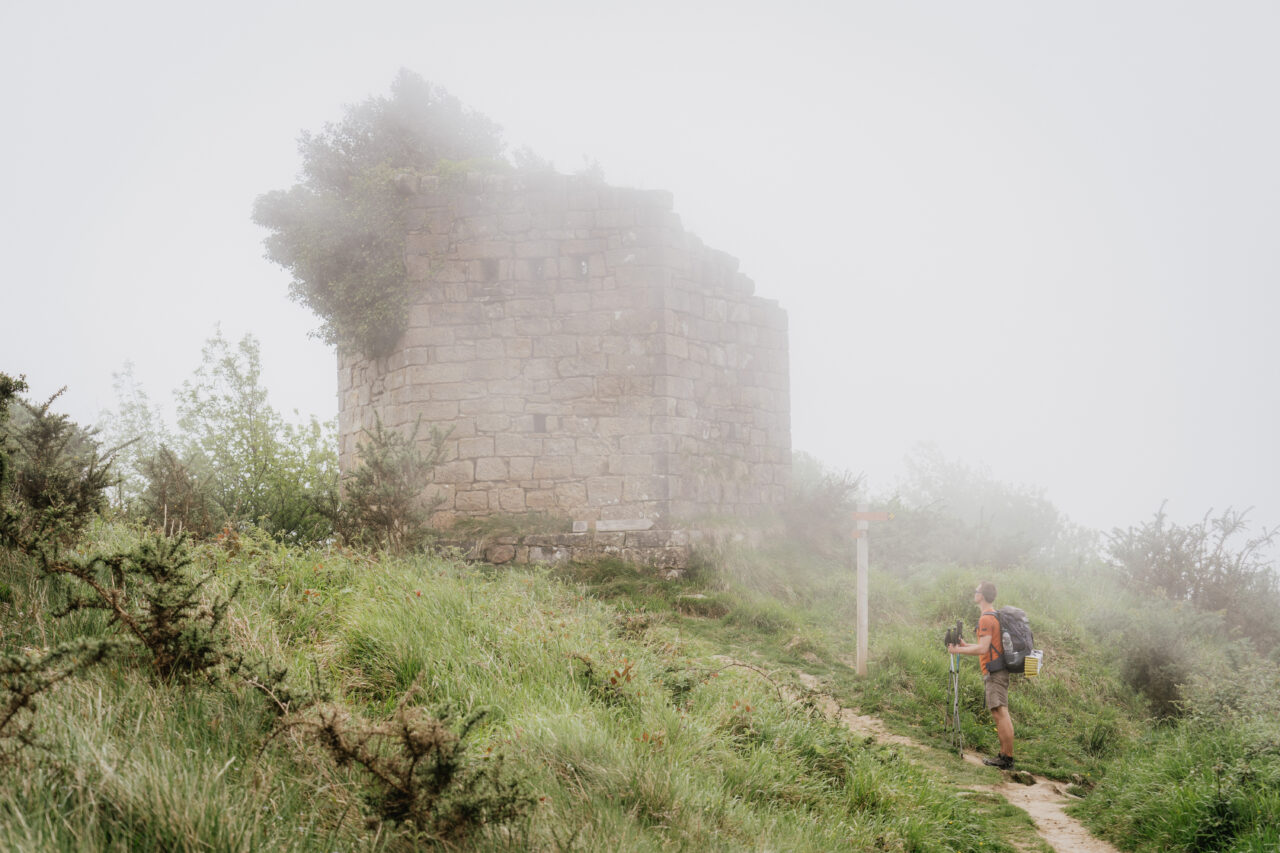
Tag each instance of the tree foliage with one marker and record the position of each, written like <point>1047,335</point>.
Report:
<point>138,428</point>
<point>948,512</point>
<point>1215,564</point>
<point>340,231</point>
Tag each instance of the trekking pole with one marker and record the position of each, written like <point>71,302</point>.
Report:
<point>953,637</point>
<point>955,704</point>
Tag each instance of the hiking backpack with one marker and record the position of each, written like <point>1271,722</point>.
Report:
<point>1015,639</point>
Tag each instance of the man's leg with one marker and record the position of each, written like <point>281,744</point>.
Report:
<point>1004,729</point>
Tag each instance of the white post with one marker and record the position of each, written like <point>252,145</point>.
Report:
<point>862,592</point>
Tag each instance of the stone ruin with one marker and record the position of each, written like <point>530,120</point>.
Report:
<point>593,361</point>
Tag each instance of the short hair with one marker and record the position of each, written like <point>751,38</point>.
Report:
<point>988,590</point>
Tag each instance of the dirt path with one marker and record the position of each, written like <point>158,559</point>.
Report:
<point>1042,798</point>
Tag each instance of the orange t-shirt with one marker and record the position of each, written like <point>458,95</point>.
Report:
<point>989,625</point>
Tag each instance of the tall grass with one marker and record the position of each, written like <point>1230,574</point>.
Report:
<point>1208,781</point>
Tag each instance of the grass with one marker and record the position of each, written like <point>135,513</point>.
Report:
<point>625,729</point>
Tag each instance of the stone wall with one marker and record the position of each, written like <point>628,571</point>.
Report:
<point>592,359</point>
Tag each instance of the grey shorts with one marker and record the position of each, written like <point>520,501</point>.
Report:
<point>997,687</point>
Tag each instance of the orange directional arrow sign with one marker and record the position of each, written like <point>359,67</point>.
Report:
<point>872,516</point>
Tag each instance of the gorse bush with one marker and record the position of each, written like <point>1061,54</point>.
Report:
<point>25,675</point>
<point>382,503</point>
<point>424,782</point>
<point>59,474</point>
<point>9,516</point>
<point>150,593</point>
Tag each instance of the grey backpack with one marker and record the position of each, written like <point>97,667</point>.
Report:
<point>1015,639</point>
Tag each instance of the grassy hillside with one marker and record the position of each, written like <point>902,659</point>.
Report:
<point>621,731</point>
<point>601,708</point>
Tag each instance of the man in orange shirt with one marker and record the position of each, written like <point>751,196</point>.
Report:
<point>988,648</point>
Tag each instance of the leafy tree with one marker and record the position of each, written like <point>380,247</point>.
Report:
<point>948,511</point>
<point>819,503</point>
<point>341,230</point>
<point>1215,564</point>
<point>239,453</point>
<point>139,429</point>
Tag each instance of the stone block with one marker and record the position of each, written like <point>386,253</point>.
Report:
<point>471,448</point>
<point>572,389</point>
<point>582,365</point>
<point>629,465</point>
<point>648,538</point>
<point>517,445</point>
<point>552,468</point>
<point>492,423</point>
<point>554,346</point>
<point>623,525</point>
<point>471,501</point>
<point>511,499</point>
<point>560,445</point>
<point>571,495</point>
<point>461,471</point>
<point>491,469</point>
<point>469,250</point>
<point>520,467</point>
<point>651,488</point>
<point>499,554</point>
<point>590,466</point>
<point>602,491</point>
<point>540,499</point>
<point>624,426</point>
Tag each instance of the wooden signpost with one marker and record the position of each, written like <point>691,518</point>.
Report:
<point>863,517</point>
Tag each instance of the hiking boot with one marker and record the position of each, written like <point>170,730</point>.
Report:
<point>1002,761</point>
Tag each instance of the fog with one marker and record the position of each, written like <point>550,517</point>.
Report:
<point>1041,236</point>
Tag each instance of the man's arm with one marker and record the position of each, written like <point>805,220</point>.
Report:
<point>978,648</point>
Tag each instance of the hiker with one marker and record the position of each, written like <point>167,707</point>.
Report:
<point>996,684</point>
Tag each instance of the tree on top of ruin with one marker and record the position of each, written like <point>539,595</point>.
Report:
<point>340,230</point>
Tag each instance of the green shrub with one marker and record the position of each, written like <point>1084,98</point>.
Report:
<point>1159,650</point>
<point>382,503</point>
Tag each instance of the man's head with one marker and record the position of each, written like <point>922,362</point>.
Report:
<point>987,590</point>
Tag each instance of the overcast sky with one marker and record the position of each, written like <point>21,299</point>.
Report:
<point>1042,236</point>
